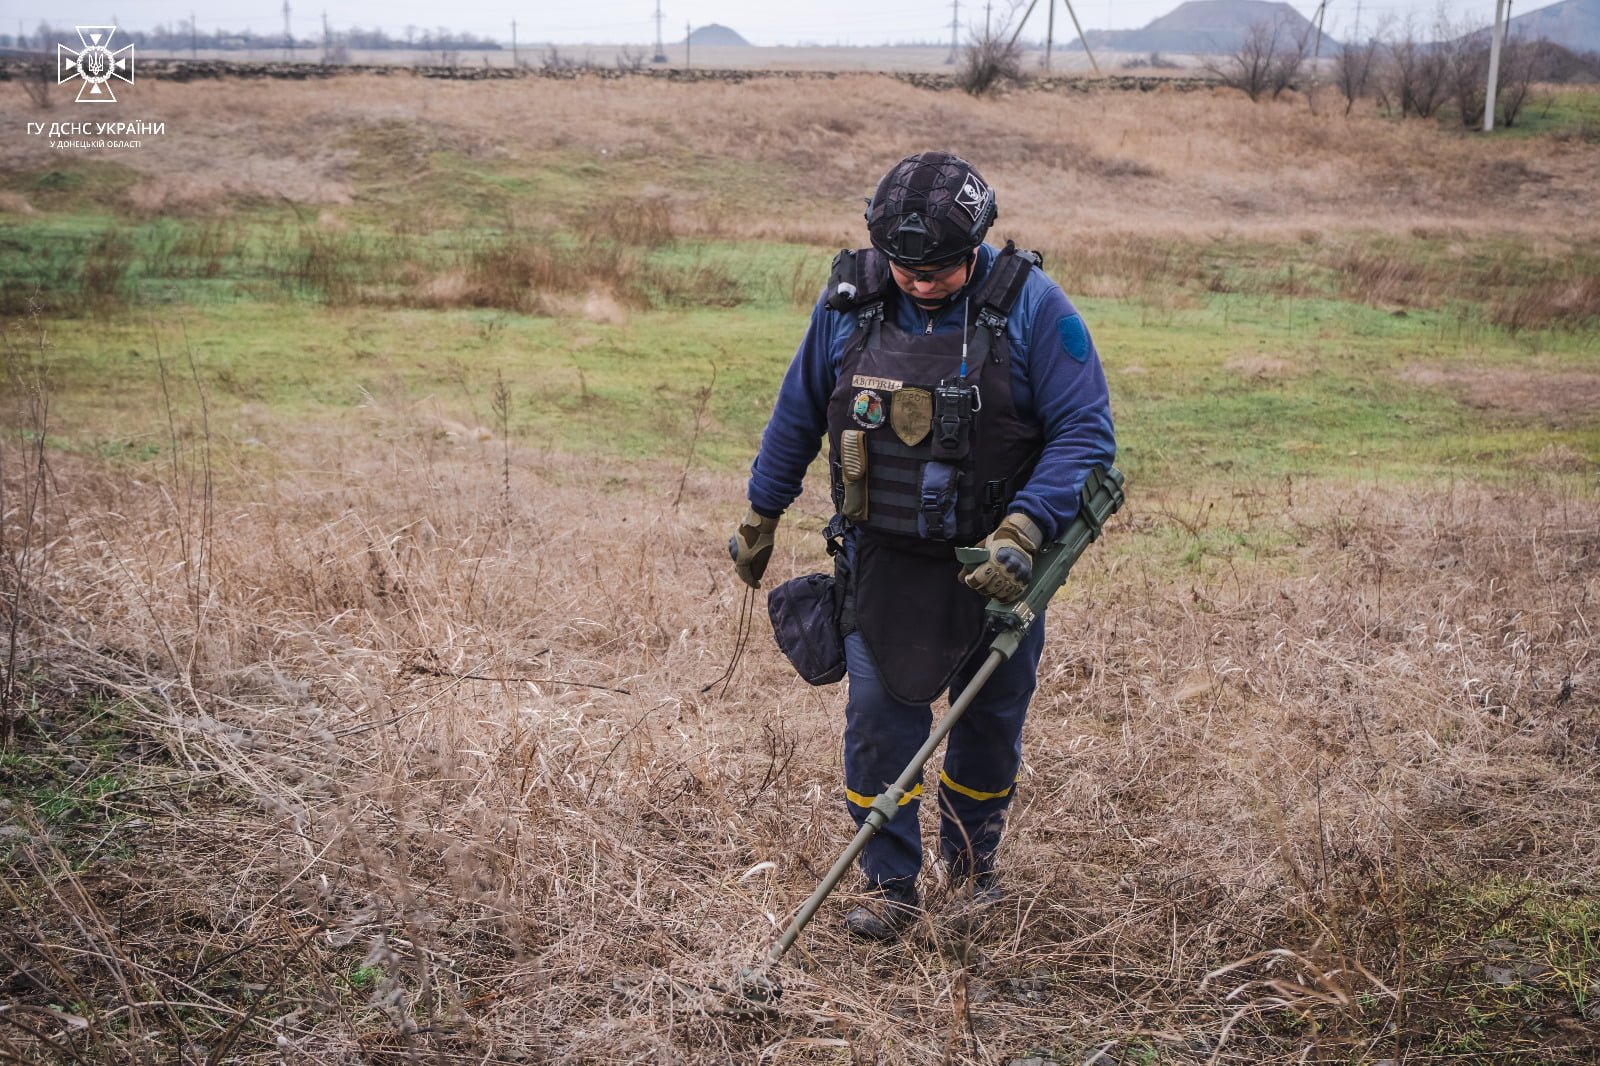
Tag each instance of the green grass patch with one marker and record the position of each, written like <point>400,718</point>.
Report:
<point>1353,357</point>
<point>1262,389</point>
<point>1563,113</point>
<point>1236,389</point>
<point>1505,965</point>
<point>87,188</point>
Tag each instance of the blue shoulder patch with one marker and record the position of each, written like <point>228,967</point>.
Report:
<point>1074,337</point>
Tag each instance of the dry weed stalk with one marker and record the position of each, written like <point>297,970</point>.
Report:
<point>24,502</point>
<point>498,817</point>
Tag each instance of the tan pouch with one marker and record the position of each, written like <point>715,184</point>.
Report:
<point>853,469</point>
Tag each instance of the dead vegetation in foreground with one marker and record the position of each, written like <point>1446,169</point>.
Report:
<point>413,758</point>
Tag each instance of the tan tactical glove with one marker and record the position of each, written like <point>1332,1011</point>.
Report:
<point>751,547</point>
<point>1009,567</point>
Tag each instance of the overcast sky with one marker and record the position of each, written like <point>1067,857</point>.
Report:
<point>765,22</point>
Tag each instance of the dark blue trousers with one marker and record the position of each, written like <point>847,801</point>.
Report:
<point>982,757</point>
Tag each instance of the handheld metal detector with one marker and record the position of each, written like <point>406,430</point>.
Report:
<point>1101,498</point>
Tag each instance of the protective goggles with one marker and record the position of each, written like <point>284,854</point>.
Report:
<point>937,272</point>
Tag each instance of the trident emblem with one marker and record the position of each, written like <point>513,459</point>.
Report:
<point>96,64</point>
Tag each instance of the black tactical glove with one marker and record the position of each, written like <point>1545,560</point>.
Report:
<point>751,547</point>
<point>1009,568</point>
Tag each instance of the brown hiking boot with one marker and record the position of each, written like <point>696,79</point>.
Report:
<point>886,914</point>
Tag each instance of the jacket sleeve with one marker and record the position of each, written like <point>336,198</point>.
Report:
<point>799,419</point>
<point>1070,402</point>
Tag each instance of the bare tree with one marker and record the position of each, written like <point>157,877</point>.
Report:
<point>1415,74</point>
<point>1521,64</point>
<point>1289,59</point>
<point>554,60</point>
<point>991,59</point>
<point>1354,69</point>
<point>1464,57</point>
<point>36,77</point>
<point>1267,60</point>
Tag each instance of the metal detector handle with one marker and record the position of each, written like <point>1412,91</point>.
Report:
<point>1102,497</point>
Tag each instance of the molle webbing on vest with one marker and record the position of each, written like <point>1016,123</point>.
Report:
<point>897,489</point>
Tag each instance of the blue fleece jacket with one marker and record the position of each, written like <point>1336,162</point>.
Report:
<point>1056,381</point>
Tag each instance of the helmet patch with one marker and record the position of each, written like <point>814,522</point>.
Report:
<point>972,194</point>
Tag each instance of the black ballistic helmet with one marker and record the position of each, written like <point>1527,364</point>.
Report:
<point>931,207</point>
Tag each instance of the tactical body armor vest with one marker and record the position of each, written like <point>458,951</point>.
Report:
<point>917,448</point>
<point>924,458</point>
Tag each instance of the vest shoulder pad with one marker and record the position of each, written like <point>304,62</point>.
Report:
<point>858,279</point>
<point>1004,284</point>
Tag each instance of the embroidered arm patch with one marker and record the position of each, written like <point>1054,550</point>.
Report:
<point>1074,337</point>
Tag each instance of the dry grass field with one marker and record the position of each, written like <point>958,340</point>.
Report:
<point>376,690</point>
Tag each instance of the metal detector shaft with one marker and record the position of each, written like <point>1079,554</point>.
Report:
<point>886,806</point>
<point>1102,496</point>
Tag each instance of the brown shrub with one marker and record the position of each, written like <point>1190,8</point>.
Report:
<point>644,223</point>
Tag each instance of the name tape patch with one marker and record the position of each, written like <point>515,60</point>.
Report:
<point>862,381</point>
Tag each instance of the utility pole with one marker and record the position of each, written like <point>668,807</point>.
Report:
<point>194,37</point>
<point>327,39</point>
<point>288,34</point>
<point>987,5</point>
<point>1050,36</point>
<point>688,34</point>
<point>1316,54</point>
<point>1018,31</point>
<point>661,51</point>
<point>1500,15</point>
<point>955,30</point>
<point>1082,39</point>
<point>514,63</point>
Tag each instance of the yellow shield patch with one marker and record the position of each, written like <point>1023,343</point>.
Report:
<point>911,415</point>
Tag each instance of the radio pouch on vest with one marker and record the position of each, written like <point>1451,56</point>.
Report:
<point>919,622</point>
<point>953,406</point>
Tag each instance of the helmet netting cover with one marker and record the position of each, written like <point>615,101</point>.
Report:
<point>936,193</point>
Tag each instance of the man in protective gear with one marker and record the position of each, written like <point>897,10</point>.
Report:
<point>963,402</point>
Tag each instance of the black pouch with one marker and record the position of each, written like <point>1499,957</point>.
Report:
<point>805,614</point>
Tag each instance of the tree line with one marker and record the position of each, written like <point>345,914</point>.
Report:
<point>1401,73</point>
<point>186,36</point>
